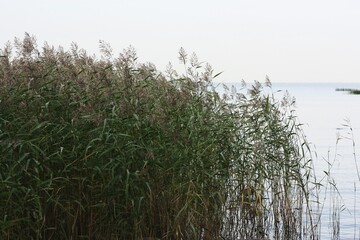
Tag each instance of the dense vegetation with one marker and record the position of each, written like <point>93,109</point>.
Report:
<point>113,149</point>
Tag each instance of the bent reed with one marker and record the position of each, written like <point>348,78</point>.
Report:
<point>113,149</point>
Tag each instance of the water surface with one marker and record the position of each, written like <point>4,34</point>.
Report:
<point>332,125</point>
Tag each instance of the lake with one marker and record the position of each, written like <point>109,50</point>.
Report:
<point>332,125</point>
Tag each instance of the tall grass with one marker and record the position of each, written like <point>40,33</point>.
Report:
<point>113,149</point>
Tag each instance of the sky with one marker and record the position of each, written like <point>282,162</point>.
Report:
<point>289,41</point>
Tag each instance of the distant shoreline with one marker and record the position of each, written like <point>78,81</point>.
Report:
<point>349,90</point>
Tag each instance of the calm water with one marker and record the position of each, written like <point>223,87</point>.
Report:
<point>331,124</point>
<point>325,114</point>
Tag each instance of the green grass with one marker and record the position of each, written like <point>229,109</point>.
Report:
<point>113,149</point>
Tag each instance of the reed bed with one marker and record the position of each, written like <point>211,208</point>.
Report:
<point>111,148</point>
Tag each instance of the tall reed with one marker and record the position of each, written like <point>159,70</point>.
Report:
<point>113,149</point>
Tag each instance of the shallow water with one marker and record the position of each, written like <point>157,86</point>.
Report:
<point>328,116</point>
<point>331,123</point>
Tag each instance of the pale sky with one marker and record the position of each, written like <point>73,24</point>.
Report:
<point>290,41</point>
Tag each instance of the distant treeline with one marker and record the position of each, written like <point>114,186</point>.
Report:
<point>350,90</point>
